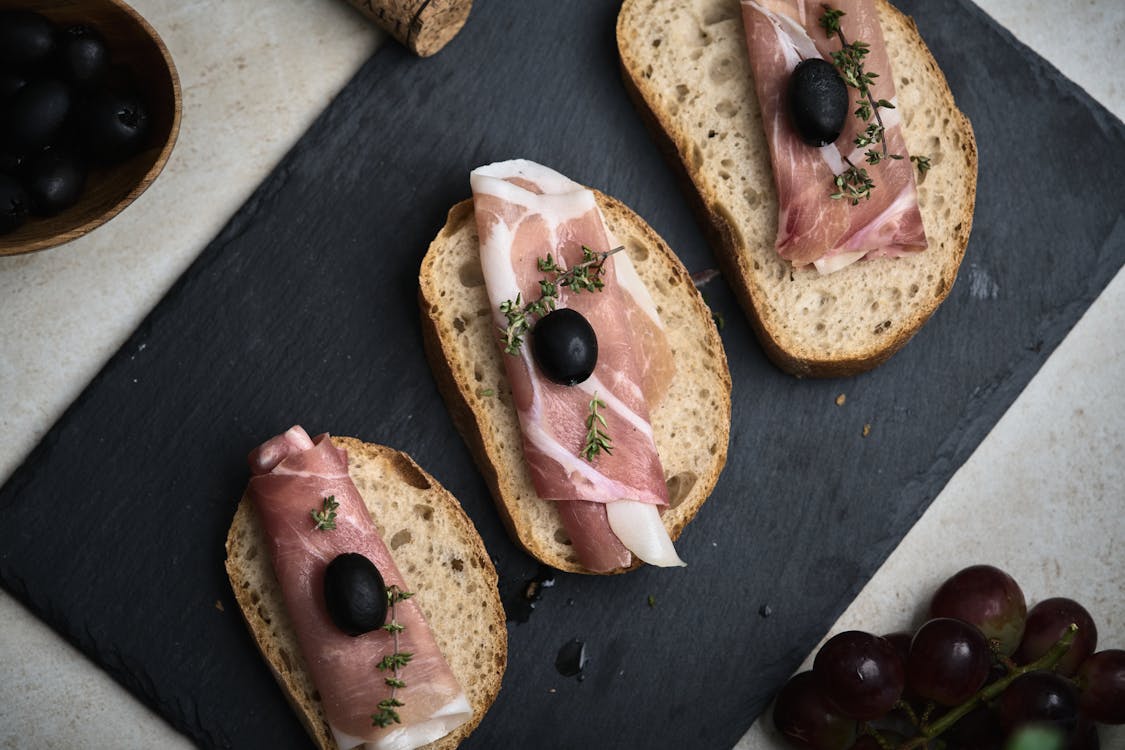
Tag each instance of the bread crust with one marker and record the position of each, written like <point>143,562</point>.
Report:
<point>443,560</point>
<point>489,424</point>
<point>741,264</point>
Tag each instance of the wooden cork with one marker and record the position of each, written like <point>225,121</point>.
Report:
<point>424,26</point>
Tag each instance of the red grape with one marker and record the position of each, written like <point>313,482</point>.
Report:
<point>987,597</point>
<point>804,717</point>
<point>860,674</point>
<point>1046,623</point>
<point>1102,682</point>
<point>949,661</point>
<point>1041,698</point>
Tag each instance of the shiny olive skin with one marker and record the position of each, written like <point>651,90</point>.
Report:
<point>26,39</point>
<point>13,204</point>
<point>818,102</point>
<point>35,115</point>
<point>354,594</point>
<point>54,180</point>
<point>83,57</point>
<point>565,346</point>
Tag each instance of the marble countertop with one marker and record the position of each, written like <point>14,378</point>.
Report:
<point>1041,497</point>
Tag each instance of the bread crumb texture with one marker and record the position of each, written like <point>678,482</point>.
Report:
<point>686,66</point>
<point>438,552</point>
<point>691,425</point>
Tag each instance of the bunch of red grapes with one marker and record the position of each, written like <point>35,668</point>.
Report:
<point>979,674</point>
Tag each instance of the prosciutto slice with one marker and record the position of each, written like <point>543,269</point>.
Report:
<point>813,228</point>
<point>291,474</point>
<point>610,506</point>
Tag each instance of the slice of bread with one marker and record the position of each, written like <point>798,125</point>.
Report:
<point>691,424</point>
<point>687,69</point>
<point>438,551</point>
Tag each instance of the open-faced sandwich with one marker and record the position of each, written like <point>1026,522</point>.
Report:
<point>824,150</point>
<point>369,594</point>
<point>580,364</point>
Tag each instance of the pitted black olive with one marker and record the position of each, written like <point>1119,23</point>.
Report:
<point>355,594</point>
<point>55,179</point>
<point>82,55</point>
<point>565,346</point>
<point>35,115</point>
<point>26,39</point>
<point>114,124</point>
<point>818,102</point>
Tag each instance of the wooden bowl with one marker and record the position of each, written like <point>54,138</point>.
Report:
<point>135,47</point>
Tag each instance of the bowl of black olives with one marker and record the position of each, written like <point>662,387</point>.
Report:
<point>89,112</point>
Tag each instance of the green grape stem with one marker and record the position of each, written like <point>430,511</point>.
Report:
<point>988,692</point>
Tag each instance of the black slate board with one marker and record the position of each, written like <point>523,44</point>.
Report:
<point>303,310</point>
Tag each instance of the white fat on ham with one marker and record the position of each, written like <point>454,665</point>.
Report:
<point>524,212</point>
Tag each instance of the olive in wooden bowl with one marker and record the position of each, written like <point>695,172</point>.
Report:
<point>89,112</point>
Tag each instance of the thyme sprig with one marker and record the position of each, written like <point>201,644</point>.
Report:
<point>854,184</point>
<point>325,518</point>
<point>597,440</point>
<point>393,662</point>
<point>585,276</point>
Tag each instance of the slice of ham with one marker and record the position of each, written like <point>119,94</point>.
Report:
<point>610,506</point>
<point>291,475</point>
<point>813,228</point>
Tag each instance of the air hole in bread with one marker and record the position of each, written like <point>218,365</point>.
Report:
<point>400,538</point>
<point>638,251</point>
<point>255,597</point>
<point>408,472</point>
<point>726,108</point>
<point>656,42</point>
<point>251,553</point>
<point>457,564</point>
<point>696,54</point>
<point>471,274</point>
<point>723,70</point>
<point>679,486</point>
<point>459,325</point>
<point>561,537</point>
<point>882,326</point>
<point>478,374</point>
<point>424,512</point>
<point>264,615</point>
<point>681,93</point>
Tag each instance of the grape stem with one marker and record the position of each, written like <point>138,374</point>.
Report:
<point>987,693</point>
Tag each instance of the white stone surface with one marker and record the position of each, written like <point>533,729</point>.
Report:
<point>1041,497</point>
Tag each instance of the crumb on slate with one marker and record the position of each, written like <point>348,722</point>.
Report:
<point>841,399</point>
<point>867,429</point>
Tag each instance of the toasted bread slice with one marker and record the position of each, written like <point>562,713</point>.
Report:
<point>438,551</point>
<point>686,67</point>
<point>691,424</point>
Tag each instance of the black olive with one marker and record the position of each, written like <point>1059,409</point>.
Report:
<point>82,55</point>
<point>565,346</point>
<point>355,594</point>
<point>55,179</point>
<point>13,204</point>
<point>26,39</point>
<point>818,102</point>
<point>35,115</point>
<point>10,83</point>
<point>114,125</point>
